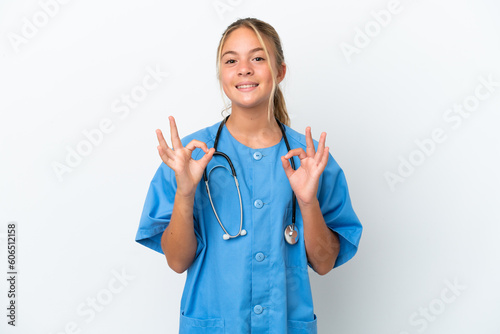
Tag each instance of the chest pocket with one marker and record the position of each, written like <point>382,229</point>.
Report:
<point>189,325</point>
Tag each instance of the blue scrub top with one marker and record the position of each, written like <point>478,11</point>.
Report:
<point>255,283</point>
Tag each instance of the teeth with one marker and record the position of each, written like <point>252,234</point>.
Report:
<point>246,86</point>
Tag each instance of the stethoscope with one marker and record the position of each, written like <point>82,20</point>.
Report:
<point>291,231</point>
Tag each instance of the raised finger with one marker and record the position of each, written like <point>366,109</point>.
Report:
<point>161,139</point>
<point>324,160</point>
<point>321,147</point>
<point>174,135</point>
<point>166,154</point>
<point>309,142</point>
<point>163,148</point>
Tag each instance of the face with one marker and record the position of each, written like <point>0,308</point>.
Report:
<point>245,74</point>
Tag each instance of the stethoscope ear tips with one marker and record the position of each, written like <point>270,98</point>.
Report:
<point>225,237</point>
<point>243,232</point>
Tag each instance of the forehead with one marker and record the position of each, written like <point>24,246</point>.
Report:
<point>242,40</point>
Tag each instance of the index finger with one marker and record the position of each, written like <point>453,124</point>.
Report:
<point>174,135</point>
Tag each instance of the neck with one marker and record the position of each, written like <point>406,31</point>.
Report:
<point>252,129</point>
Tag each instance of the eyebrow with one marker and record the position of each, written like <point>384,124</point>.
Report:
<point>235,53</point>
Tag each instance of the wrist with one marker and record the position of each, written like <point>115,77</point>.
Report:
<point>308,204</point>
<point>184,198</point>
<point>185,188</point>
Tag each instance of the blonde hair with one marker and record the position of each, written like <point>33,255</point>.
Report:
<point>277,105</point>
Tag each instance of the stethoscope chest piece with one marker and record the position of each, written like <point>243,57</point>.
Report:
<point>291,234</point>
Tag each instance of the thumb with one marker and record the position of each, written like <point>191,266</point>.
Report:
<point>206,158</point>
<point>286,166</point>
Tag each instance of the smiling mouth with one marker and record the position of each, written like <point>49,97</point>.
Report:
<point>247,86</point>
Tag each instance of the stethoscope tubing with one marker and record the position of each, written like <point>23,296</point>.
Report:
<point>227,235</point>
<point>233,172</point>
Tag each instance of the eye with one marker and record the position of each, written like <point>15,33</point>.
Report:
<point>230,61</point>
<point>257,58</point>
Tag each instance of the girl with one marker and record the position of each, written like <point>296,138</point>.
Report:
<point>247,234</point>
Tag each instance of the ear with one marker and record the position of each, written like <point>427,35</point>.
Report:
<point>281,72</point>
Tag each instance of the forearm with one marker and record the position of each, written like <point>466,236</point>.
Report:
<point>178,240</point>
<point>322,244</point>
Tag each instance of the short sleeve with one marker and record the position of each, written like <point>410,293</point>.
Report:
<point>157,210</point>
<point>337,211</point>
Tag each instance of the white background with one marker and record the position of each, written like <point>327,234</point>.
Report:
<point>75,233</point>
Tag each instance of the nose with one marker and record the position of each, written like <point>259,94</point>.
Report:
<point>245,68</point>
